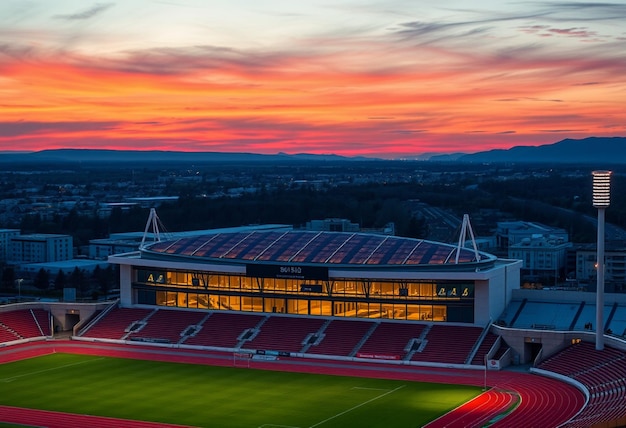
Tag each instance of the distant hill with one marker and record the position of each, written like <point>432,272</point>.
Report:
<point>592,150</point>
<point>156,156</point>
<point>449,157</point>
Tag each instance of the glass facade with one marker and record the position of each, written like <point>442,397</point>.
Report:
<point>402,300</point>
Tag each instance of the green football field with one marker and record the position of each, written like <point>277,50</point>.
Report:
<point>208,396</point>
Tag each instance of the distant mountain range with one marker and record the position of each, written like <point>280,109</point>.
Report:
<point>65,156</point>
<point>592,150</point>
<point>589,151</point>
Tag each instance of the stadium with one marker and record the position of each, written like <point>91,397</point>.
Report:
<point>340,274</point>
<point>355,305</point>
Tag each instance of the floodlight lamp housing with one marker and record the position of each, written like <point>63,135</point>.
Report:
<point>601,189</point>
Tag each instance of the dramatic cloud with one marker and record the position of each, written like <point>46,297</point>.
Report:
<point>13,129</point>
<point>346,78</point>
<point>88,13</point>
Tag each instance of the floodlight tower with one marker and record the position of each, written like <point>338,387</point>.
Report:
<point>601,201</point>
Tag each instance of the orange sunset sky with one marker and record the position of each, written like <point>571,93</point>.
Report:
<point>391,79</point>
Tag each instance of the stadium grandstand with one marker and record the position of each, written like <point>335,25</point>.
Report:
<point>352,298</point>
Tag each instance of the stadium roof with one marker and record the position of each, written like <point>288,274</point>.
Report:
<point>309,247</point>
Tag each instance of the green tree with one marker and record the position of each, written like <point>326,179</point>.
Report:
<point>112,274</point>
<point>60,280</point>
<point>42,279</point>
<point>77,280</point>
<point>417,228</point>
<point>100,278</point>
<point>8,277</point>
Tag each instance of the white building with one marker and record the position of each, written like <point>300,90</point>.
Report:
<point>614,265</point>
<point>41,248</point>
<point>66,266</point>
<point>100,249</point>
<point>541,256</point>
<point>345,225</point>
<point>513,232</point>
<point>5,242</point>
<point>333,225</point>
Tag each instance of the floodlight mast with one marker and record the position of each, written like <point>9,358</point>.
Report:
<point>601,201</point>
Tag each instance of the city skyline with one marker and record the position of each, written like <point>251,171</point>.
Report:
<point>391,80</point>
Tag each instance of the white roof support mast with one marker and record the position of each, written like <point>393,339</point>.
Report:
<point>465,227</point>
<point>153,221</point>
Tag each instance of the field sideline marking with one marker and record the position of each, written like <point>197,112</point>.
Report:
<point>276,426</point>
<point>11,379</point>
<point>357,406</point>
<point>370,389</point>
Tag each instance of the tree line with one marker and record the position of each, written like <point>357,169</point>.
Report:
<point>557,201</point>
<point>97,283</point>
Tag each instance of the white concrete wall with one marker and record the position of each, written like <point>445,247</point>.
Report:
<point>126,290</point>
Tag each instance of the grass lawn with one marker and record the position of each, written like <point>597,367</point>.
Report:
<point>210,396</point>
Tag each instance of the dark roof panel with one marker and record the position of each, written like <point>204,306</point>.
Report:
<point>318,249</point>
<point>363,247</point>
<point>285,248</point>
<point>221,244</point>
<point>386,249</point>
<point>249,249</point>
<point>330,248</point>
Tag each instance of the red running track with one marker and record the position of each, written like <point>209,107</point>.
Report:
<point>479,411</point>
<point>543,402</point>
<point>45,418</point>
